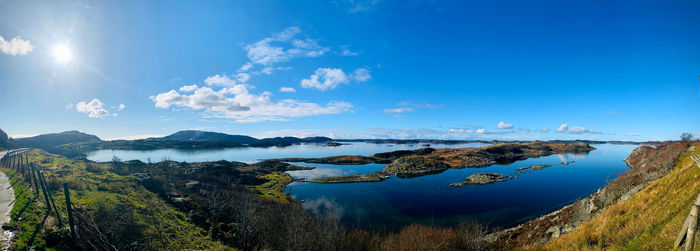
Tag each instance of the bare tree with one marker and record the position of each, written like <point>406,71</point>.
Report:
<point>686,137</point>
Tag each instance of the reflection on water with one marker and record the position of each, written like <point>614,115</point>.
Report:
<point>397,202</point>
<point>326,170</point>
<point>254,154</point>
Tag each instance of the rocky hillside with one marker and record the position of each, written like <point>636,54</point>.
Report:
<point>5,141</point>
<point>647,164</point>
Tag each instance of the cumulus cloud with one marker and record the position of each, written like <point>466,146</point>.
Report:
<point>188,88</point>
<point>287,89</point>
<point>503,125</point>
<point>281,47</point>
<point>239,104</point>
<point>94,109</point>
<point>564,128</point>
<point>329,78</point>
<point>15,46</point>
<point>398,110</point>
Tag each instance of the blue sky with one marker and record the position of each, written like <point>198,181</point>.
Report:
<point>607,70</point>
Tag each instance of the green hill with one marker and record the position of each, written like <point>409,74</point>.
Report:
<point>52,140</point>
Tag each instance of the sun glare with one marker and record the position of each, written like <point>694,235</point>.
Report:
<point>62,54</point>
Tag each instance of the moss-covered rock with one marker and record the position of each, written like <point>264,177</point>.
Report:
<point>481,179</point>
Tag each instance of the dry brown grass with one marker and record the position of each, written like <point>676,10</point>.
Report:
<point>650,220</point>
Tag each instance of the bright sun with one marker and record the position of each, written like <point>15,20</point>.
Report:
<point>62,54</point>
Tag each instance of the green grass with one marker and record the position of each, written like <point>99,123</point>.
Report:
<point>26,215</point>
<point>91,187</point>
<point>273,189</point>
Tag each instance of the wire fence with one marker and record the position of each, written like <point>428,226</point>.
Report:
<point>83,230</point>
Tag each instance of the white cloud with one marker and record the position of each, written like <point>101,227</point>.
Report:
<point>225,81</point>
<point>69,106</point>
<point>121,107</point>
<point>287,89</point>
<point>246,67</point>
<point>239,104</point>
<point>360,75</point>
<point>398,110</point>
<point>188,88</point>
<point>325,78</point>
<point>503,125</point>
<point>329,78</point>
<point>347,52</point>
<point>94,109</point>
<point>281,47</point>
<point>481,131</point>
<point>15,46</point>
<point>544,130</point>
<point>564,128</point>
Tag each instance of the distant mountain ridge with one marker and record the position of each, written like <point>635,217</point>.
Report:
<point>76,144</point>
<point>193,135</point>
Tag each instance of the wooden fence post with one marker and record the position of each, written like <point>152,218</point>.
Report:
<point>69,208</point>
<point>51,202</point>
<point>46,196</point>
<point>692,226</point>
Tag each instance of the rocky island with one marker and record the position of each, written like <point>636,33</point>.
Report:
<point>481,179</point>
<point>372,177</point>
<point>425,161</point>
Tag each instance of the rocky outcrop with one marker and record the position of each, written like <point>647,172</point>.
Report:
<point>647,164</point>
<point>505,153</point>
<point>534,167</point>
<point>372,177</point>
<point>413,166</point>
<point>481,179</point>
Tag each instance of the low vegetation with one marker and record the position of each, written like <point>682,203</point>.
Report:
<point>372,177</point>
<point>649,220</point>
<point>481,179</point>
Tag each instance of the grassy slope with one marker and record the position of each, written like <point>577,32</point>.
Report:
<point>650,220</point>
<point>93,186</point>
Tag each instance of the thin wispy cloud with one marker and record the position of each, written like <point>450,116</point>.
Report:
<point>361,5</point>
<point>398,110</point>
<point>330,78</point>
<point>281,47</point>
<point>287,89</point>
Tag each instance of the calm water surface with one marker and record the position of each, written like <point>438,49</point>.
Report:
<point>254,154</point>
<point>397,202</point>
